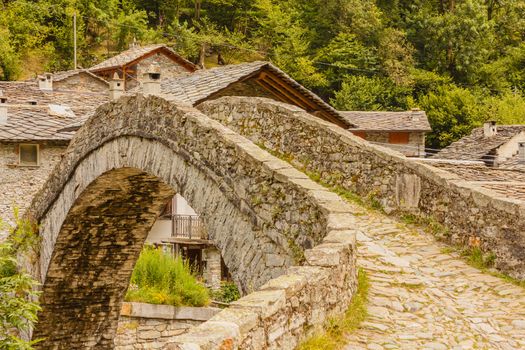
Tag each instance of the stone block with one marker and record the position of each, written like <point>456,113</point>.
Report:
<point>266,303</point>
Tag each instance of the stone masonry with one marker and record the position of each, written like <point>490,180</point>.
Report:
<point>472,213</point>
<point>119,170</point>
<point>20,183</point>
<point>148,326</point>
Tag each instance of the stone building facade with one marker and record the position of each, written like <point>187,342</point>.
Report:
<point>20,182</point>
<point>79,80</point>
<point>132,64</point>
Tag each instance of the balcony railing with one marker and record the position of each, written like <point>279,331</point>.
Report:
<point>187,226</point>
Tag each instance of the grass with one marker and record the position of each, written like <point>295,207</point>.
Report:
<point>484,262</point>
<point>332,336</point>
<point>160,279</point>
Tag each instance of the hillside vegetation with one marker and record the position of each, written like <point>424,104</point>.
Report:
<point>463,61</point>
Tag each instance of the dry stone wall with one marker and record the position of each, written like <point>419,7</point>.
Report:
<point>103,197</point>
<point>470,212</point>
<point>148,326</point>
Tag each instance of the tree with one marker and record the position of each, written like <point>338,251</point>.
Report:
<point>360,93</point>
<point>453,112</point>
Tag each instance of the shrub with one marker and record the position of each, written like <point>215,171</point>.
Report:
<point>160,279</point>
<point>18,311</point>
<point>227,294</point>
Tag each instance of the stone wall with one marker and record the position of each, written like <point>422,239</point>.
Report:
<point>82,82</point>
<point>19,184</point>
<point>148,326</point>
<point>470,212</point>
<point>118,172</point>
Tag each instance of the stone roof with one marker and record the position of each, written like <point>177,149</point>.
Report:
<point>513,162</point>
<point>35,123</point>
<point>136,53</point>
<point>81,103</point>
<point>59,76</point>
<point>476,146</point>
<point>201,85</point>
<point>388,121</point>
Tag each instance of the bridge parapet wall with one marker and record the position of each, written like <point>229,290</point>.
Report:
<point>119,170</point>
<point>472,214</point>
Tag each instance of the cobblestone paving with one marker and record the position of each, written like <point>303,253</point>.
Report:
<point>422,298</point>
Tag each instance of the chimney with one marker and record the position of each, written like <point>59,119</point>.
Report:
<point>45,82</point>
<point>151,80</point>
<point>521,152</point>
<point>116,87</point>
<point>3,108</point>
<point>490,129</point>
<point>414,114</point>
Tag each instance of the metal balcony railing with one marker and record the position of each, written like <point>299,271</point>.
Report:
<point>187,226</point>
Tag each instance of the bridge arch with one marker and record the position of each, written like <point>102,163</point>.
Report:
<point>99,204</point>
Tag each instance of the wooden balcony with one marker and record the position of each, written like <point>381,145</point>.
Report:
<point>187,230</point>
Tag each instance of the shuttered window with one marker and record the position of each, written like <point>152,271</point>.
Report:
<point>28,155</point>
<point>398,137</point>
<point>360,134</point>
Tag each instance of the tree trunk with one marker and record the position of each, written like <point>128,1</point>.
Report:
<point>202,54</point>
<point>198,9</point>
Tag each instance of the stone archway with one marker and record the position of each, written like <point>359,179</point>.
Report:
<point>100,202</point>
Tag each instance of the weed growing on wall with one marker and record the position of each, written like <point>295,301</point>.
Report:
<point>332,336</point>
<point>158,278</point>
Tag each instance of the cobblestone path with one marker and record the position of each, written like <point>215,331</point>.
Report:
<point>422,298</point>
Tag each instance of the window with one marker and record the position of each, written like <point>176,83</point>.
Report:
<point>28,155</point>
<point>398,137</point>
<point>360,134</point>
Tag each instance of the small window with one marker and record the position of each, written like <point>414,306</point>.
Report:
<point>398,137</point>
<point>28,155</point>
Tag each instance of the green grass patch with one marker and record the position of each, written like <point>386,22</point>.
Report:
<point>428,224</point>
<point>159,278</point>
<point>332,336</point>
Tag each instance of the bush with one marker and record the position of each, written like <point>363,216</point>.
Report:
<point>160,279</point>
<point>18,311</point>
<point>227,294</point>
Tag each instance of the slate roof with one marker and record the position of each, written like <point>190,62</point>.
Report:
<point>59,76</point>
<point>82,104</point>
<point>135,53</point>
<point>513,162</point>
<point>388,121</point>
<point>197,87</point>
<point>34,123</point>
<point>476,146</point>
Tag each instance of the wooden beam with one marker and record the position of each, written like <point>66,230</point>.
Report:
<point>297,101</point>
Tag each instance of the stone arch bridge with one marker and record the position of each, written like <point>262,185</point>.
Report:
<point>97,207</point>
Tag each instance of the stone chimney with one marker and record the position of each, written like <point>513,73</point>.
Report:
<point>116,87</point>
<point>490,129</point>
<point>45,82</point>
<point>414,114</point>
<point>3,108</point>
<point>151,80</point>
<point>521,152</point>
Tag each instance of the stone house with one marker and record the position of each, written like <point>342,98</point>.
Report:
<point>79,80</point>
<point>255,79</point>
<point>131,64</point>
<point>495,145</point>
<point>402,131</point>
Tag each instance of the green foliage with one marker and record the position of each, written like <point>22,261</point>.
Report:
<point>360,54</point>
<point>160,279</point>
<point>335,330</point>
<point>376,93</point>
<point>228,293</point>
<point>18,310</point>
<point>453,112</point>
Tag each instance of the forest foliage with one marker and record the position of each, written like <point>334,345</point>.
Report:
<point>462,61</point>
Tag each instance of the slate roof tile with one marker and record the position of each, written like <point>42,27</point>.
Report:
<point>388,121</point>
